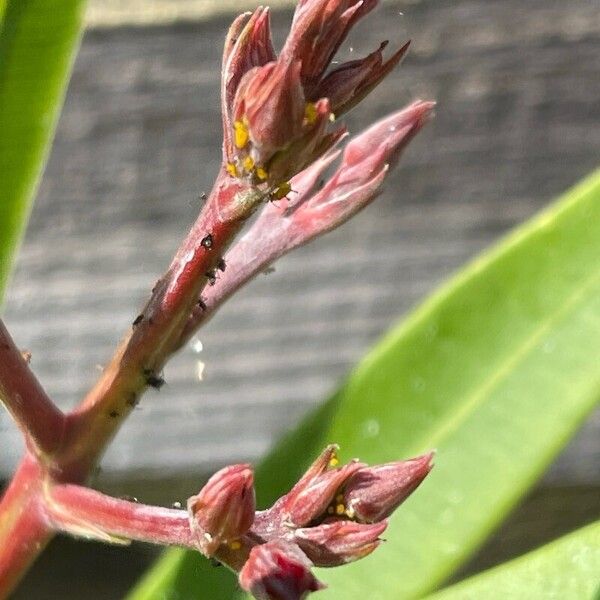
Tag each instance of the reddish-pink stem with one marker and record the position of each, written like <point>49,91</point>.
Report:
<point>40,420</point>
<point>72,508</point>
<point>152,340</point>
<point>24,530</point>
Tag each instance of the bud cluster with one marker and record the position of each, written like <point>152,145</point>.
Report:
<point>277,110</point>
<point>333,515</point>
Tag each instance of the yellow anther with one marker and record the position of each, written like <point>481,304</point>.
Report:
<point>231,169</point>
<point>310,113</point>
<point>340,509</point>
<point>282,190</point>
<point>261,173</point>
<point>235,545</point>
<point>331,117</point>
<point>248,164</point>
<point>240,134</point>
<point>334,461</point>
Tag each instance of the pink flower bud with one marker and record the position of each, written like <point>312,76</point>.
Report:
<point>248,45</point>
<point>270,103</point>
<point>310,145</point>
<point>224,509</point>
<point>365,162</point>
<point>312,498</point>
<point>276,110</point>
<point>347,85</point>
<point>278,570</point>
<point>318,29</point>
<point>340,542</point>
<point>373,493</point>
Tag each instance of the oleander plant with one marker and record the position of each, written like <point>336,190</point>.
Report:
<point>493,410</point>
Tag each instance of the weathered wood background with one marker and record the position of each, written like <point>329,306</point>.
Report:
<point>518,122</point>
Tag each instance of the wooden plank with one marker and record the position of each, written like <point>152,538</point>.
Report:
<point>517,124</point>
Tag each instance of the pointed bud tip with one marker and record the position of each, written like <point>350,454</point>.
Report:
<point>224,508</point>
<point>374,493</point>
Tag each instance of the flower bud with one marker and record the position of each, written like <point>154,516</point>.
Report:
<point>278,570</point>
<point>347,85</point>
<point>224,509</point>
<point>339,542</point>
<point>373,493</point>
<point>318,29</point>
<point>269,105</point>
<point>248,45</point>
<point>312,500</point>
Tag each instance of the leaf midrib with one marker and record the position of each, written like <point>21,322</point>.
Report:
<point>478,396</point>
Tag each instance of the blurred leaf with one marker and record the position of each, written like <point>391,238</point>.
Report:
<point>566,568</point>
<point>496,370</point>
<point>38,39</point>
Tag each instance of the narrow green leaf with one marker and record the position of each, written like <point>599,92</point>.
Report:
<point>496,370</point>
<point>38,39</point>
<point>567,568</point>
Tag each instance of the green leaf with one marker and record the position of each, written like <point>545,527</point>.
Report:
<point>496,370</point>
<point>566,568</point>
<point>38,40</point>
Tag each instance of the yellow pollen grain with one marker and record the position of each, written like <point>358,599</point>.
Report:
<point>248,164</point>
<point>310,113</point>
<point>334,461</point>
<point>261,173</point>
<point>235,545</point>
<point>231,169</point>
<point>240,134</point>
<point>340,509</point>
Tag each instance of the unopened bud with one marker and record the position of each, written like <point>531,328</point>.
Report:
<point>224,509</point>
<point>373,493</point>
<point>339,542</point>
<point>278,570</point>
<point>311,501</point>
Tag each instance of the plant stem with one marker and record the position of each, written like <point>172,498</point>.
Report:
<point>139,359</point>
<point>83,511</point>
<point>24,529</point>
<point>42,423</point>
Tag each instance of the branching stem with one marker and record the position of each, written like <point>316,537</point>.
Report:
<point>39,419</point>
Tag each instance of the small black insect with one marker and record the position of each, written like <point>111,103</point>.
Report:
<point>207,241</point>
<point>153,380</point>
<point>202,304</point>
<point>138,320</point>
<point>221,265</point>
<point>113,414</point>
<point>215,563</point>
<point>212,278</point>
